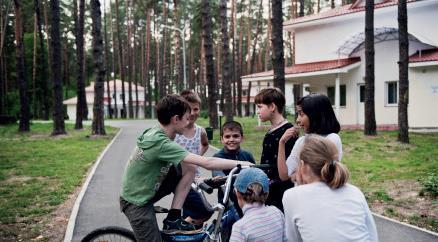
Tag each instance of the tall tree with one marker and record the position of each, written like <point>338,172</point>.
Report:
<point>129,58</point>
<point>147,62</point>
<point>258,31</point>
<point>81,105</point>
<point>120,57</point>
<point>403,81</point>
<point>21,77</point>
<point>277,44</point>
<point>370,119</point>
<point>301,14</point>
<point>55,41</point>
<point>98,127</point>
<point>226,75</point>
<point>113,66</point>
<point>210,72</point>
<point>107,61</point>
<point>179,72</point>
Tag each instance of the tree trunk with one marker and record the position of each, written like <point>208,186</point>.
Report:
<point>403,101</point>
<point>179,72</point>
<point>120,57</point>
<point>277,44</point>
<point>248,100</point>
<point>134,73</point>
<point>107,61</point>
<point>370,119</point>
<point>55,40</point>
<point>147,60</point>
<point>44,80</point>
<point>129,59</point>
<point>332,5</point>
<point>81,105</point>
<point>34,70</point>
<point>21,77</point>
<point>258,31</point>
<point>98,127</point>
<point>268,39</point>
<point>233,34</point>
<point>208,44</point>
<point>116,114</point>
<point>226,75</point>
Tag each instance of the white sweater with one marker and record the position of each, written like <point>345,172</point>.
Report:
<point>294,157</point>
<point>315,212</point>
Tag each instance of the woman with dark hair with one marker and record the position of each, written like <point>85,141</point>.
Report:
<point>315,116</point>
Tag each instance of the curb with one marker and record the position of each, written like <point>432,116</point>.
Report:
<point>72,220</point>
<point>405,224</point>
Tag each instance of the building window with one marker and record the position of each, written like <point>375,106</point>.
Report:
<point>391,93</point>
<point>362,93</point>
<point>343,92</point>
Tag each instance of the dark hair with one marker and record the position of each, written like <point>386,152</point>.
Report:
<point>322,118</point>
<point>254,194</point>
<point>322,156</point>
<point>190,96</point>
<point>271,95</point>
<point>232,125</point>
<point>169,106</point>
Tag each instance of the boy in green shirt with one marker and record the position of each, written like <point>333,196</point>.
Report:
<point>158,167</point>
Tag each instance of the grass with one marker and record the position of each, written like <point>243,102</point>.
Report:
<point>38,172</point>
<point>374,162</point>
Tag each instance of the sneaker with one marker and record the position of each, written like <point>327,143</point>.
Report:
<point>179,226</point>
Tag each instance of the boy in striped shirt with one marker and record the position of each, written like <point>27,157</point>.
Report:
<point>259,222</point>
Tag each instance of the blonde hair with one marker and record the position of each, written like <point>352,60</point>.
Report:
<point>254,193</point>
<point>321,155</point>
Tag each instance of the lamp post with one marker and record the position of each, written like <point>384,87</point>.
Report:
<point>182,31</point>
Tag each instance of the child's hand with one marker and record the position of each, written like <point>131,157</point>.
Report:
<point>291,132</point>
<point>217,178</point>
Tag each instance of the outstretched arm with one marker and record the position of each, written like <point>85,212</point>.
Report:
<point>213,163</point>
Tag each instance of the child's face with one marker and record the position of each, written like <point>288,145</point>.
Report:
<point>231,139</point>
<point>302,119</point>
<point>264,111</point>
<point>181,123</point>
<point>194,115</point>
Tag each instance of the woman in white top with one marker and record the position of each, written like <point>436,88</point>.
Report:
<point>325,207</point>
<point>315,116</point>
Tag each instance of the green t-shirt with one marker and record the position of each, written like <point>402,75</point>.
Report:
<point>154,154</point>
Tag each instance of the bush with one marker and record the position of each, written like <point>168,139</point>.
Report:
<point>430,184</point>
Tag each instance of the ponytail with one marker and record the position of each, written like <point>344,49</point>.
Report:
<point>321,155</point>
<point>334,174</point>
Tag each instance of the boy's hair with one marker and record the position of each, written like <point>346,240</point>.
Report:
<point>232,125</point>
<point>190,96</point>
<point>322,118</point>
<point>169,106</point>
<point>271,95</point>
<point>322,156</point>
<point>254,194</point>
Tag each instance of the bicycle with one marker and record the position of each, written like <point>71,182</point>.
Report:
<point>210,233</point>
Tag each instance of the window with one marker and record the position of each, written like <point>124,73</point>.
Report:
<point>343,92</point>
<point>362,93</point>
<point>391,93</point>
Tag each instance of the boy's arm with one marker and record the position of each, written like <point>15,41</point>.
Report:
<point>213,163</point>
<point>204,141</point>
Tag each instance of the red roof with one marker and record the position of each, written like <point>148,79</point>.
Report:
<point>424,55</point>
<point>342,10</point>
<point>310,67</point>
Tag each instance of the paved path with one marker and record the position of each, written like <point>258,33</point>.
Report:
<point>99,206</point>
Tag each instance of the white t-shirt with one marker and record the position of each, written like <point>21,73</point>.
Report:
<point>294,158</point>
<point>315,212</point>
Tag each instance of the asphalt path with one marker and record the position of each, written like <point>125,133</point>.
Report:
<point>99,206</point>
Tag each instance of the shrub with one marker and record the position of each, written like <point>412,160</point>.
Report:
<point>430,184</point>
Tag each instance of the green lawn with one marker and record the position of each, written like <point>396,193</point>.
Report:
<point>38,172</point>
<point>380,166</point>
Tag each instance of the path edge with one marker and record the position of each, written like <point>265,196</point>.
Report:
<point>68,236</point>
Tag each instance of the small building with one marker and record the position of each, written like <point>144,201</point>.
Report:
<point>330,59</point>
<point>89,91</point>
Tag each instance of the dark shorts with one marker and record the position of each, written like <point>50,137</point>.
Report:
<point>194,207</point>
<point>142,218</point>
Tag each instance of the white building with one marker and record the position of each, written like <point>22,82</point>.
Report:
<point>89,90</point>
<point>330,59</point>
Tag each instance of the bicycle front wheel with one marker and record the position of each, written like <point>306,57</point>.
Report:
<point>109,234</point>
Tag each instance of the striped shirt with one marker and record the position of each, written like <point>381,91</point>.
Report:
<point>259,223</point>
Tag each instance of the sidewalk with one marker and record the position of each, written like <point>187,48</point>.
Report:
<point>99,206</point>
